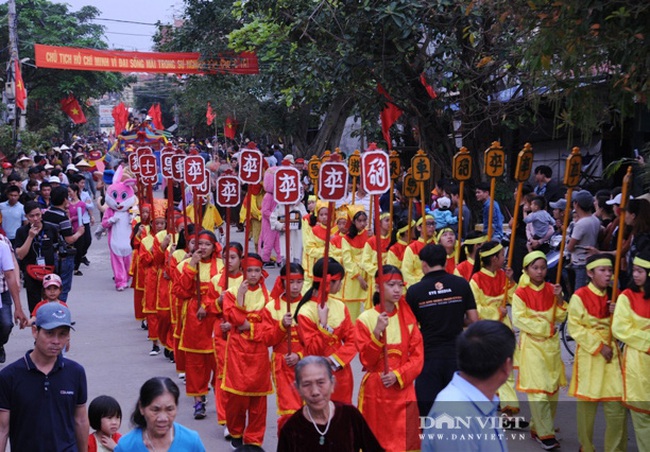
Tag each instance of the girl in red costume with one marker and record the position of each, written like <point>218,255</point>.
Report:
<point>141,230</point>
<point>282,326</point>
<point>218,285</point>
<point>196,337</point>
<point>328,331</point>
<point>391,392</point>
<point>247,372</point>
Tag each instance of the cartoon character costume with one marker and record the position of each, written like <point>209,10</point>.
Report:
<point>120,197</point>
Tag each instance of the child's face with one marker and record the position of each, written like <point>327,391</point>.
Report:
<point>322,216</point>
<point>52,292</point>
<point>639,275</point>
<point>234,261</point>
<point>601,276</point>
<point>534,206</point>
<point>110,425</point>
<point>253,275</point>
<point>295,287</point>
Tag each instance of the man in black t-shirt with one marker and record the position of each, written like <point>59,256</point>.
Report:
<point>443,304</point>
<point>35,245</point>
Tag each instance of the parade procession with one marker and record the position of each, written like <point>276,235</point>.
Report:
<point>379,227</point>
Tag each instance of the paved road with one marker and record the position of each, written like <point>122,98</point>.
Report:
<point>114,350</point>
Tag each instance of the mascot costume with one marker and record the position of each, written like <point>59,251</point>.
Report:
<point>120,197</point>
<point>269,238</point>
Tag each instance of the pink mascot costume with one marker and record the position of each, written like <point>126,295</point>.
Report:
<point>119,199</point>
<point>269,238</point>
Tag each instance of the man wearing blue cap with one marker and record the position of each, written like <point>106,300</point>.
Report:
<point>43,395</point>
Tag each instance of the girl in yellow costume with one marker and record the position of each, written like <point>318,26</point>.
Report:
<point>489,284</point>
<point>412,265</point>
<point>471,245</point>
<point>314,244</point>
<point>631,325</point>
<point>536,308</point>
<point>369,255</point>
<point>307,225</point>
<point>210,217</point>
<point>336,242</point>
<point>397,249</point>
<point>393,392</point>
<point>355,285</point>
<point>447,238</point>
<point>596,370</point>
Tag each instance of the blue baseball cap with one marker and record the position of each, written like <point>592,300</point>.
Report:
<point>53,315</point>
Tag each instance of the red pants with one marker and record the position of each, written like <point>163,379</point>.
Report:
<point>165,328</point>
<point>138,301</point>
<point>220,397</point>
<point>179,357</point>
<point>237,407</point>
<point>152,325</point>
<point>198,370</point>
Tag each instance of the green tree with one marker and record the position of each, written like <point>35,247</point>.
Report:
<point>44,22</point>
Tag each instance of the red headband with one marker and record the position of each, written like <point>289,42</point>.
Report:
<point>235,249</point>
<point>251,262</point>
<point>207,236</point>
<point>391,277</point>
<point>329,278</point>
<point>279,286</point>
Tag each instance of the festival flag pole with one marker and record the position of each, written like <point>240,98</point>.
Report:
<point>250,172</point>
<point>376,178</point>
<point>462,172</point>
<point>494,159</point>
<point>627,179</point>
<point>332,187</point>
<point>421,166</point>
<point>522,174</point>
<point>571,180</point>
<point>313,167</point>
<point>197,229</point>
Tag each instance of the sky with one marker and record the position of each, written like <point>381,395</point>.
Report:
<point>130,36</point>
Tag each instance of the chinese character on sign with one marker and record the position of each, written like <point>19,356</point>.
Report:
<point>194,170</point>
<point>333,181</point>
<point>421,166</point>
<point>166,163</point>
<point>354,162</point>
<point>177,167</point>
<point>148,166</point>
<point>134,165</point>
<point>250,167</point>
<point>228,191</point>
<point>287,185</point>
<point>524,163</point>
<point>494,159</point>
<point>204,188</point>
<point>375,172</point>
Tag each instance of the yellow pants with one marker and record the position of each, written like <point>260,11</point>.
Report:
<point>615,426</point>
<point>508,395</point>
<point>641,422</point>
<point>542,412</point>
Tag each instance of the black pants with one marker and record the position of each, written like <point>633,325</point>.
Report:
<point>436,374</point>
<point>34,290</point>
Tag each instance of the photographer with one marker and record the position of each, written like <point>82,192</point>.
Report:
<point>57,216</point>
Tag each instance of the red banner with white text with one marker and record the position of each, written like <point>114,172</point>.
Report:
<point>80,59</point>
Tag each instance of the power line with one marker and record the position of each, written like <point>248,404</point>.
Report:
<point>126,21</point>
<point>126,34</point>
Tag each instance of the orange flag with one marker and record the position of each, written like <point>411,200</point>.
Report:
<point>21,93</point>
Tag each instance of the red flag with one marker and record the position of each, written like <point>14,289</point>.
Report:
<point>229,128</point>
<point>388,115</point>
<point>156,116</point>
<point>157,120</point>
<point>209,115</point>
<point>429,88</point>
<point>121,117</point>
<point>71,107</point>
<point>21,93</point>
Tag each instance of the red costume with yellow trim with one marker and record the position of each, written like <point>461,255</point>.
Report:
<point>247,373</point>
<point>150,270</point>
<point>339,344</point>
<point>137,272</point>
<point>178,305</point>
<point>465,269</point>
<point>405,359</point>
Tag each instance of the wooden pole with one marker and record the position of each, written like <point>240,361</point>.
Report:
<point>197,229</point>
<point>513,233</point>
<point>565,225</point>
<point>619,239</point>
<point>150,196</point>
<point>227,243</point>
<point>424,220</point>
<point>287,263</point>
<point>380,274</point>
<point>328,234</point>
<point>493,183</point>
<point>247,230</point>
<point>461,195</point>
<point>354,188</point>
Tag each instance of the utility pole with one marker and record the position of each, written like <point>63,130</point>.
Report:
<point>19,121</point>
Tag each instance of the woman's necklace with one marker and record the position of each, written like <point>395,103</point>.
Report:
<point>149,444</point>
<point>322,434</point>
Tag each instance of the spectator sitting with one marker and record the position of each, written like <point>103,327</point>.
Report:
<point>540,225</point>
<point>443,216</point>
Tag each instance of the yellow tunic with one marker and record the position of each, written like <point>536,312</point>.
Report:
<point>351,291</point>
<point>488,289</point>
<point>313,249</point>
<point>411,264</point>
<point>535,313</point>
<point>211,218</point>
<point>593,378</point>
<point>634,330</point>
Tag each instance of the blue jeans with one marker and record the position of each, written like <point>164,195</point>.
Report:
<point>65,267</point>
<point>581,276</point>
<point>6,319</point>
